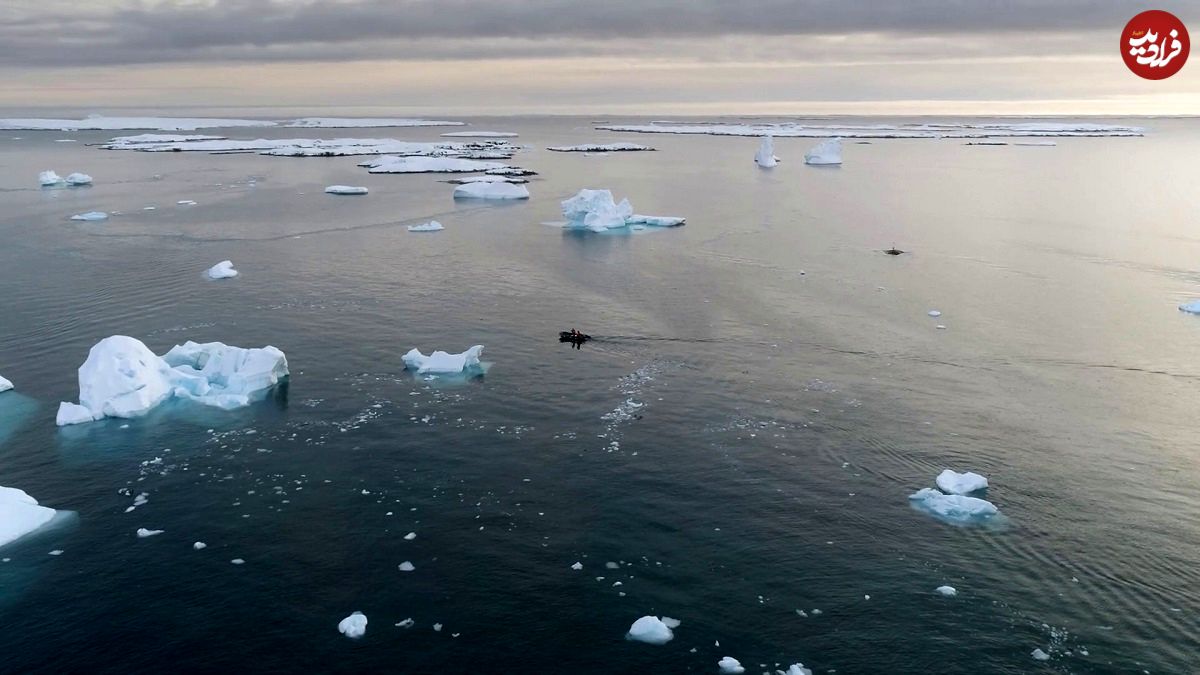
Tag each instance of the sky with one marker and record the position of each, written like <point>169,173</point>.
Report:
<point>570,56</point>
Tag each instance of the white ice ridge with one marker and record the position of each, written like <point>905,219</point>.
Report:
<point>602,147</point>
<point>480,134</point>
<point>365,122</point>
<point>491,190</point>
<point>20,514</point>
<point>346,190</point>
<point>596,210</point>
<point>415,164</point>
<point>99,123</point>
<point>123,378</point>
<point>353,626</point>
<point>765,157</point>
<point>222,270</point>
<point>442,362</point>
<point>730,666</point>
<point>314,147</point>
<point>825,152</point>
<point>431,226</point>
<point>952,482</point>
<point>955,509</point>
<point>5,384</point>
<point>1192,307</point>
<point>931,130</point>
<point>91,216</point>
<point>652,630</point>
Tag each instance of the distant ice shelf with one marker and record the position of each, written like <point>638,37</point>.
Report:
<point>102,123</point>
<point>929,130</point>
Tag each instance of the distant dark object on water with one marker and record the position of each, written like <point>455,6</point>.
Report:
<point>574,337</point>
<point>893,250</point>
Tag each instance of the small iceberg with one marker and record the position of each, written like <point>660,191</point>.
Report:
<point>795,669</point>
<point>825,153</point>
<point>953,509</point>
<point>491,191</point>
<point>406,566</point>
<point>1039,655</point>
<point>1192,307</point>
<point>651,630</point>
<point>431,226</point>
<point>20,514</point>
<point>952,482</point>
<point>90,216</point>
<point>597,211</point>
<point>222,270</point>
<point>49,178</point>
<point>142,532</point>
<point>353,626</point>
<point>948,591</point>
<point>79,179</point>
<point>765,157</point>
<point>5,384</point>
<point>730,666</point>
<point>346,190</point>
<point>442,362</point>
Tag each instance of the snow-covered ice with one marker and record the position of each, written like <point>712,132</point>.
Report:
<point>410,536</point>
<point>765,157</point>
<point>222,270</point>
<point>442,362</point>
<point>90,216</point>
<point>825,152</point>
<point>730,666</point>
<point>78,179</point>
<point>1192,307</point>
<point>597,211</point>
<point>49,178</point>
<point>142,532</point>
<point>71,413</point>
<point>916,130</point>
<point>406,566</point>
<point>480,134</point>
<point>491,191</point>
<point>602,147</point>
<point>955,509</point>
<point>934,313</point>
<point>655,221</point>
<point>948,591</point>
<point>952,482</point>
<point>199,546</point>
<point>5,384</point>
<point>353,626</point>
<point>431,226</point>
<point>650,629</point>
<point>346,190</point>
<point>20,514</point>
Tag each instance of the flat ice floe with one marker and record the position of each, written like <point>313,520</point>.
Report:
<point>222,270</point>
<point>828,152</point>
<point>602,147</point>
<point>651,630</point>
<point>79,179</point>
<point>346,190</point>
<point>442,362</point>
<point>365,122</point>
<point>930,130</point>
<point>431,226</point>
<point>5,384</point>
<point>480,134</point>
<point>952,482</point>
<point>90,216</point>
<point>597,211</point>
<point>353,626</point>
<point>954,509</point>
<point>765,157</point>
<point>463,180</point>
<point>20,514</point>
<point>99,123</point>
<point>414,164</point>
<point>313,147</point>
<point>123,378</point>
<point>1192,307</point>
<point>491,190</point>
<point>730,666</point>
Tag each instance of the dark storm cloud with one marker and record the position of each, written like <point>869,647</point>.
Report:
<point>79,34</point>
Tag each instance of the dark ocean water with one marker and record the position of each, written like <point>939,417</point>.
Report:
<point>765,393</point>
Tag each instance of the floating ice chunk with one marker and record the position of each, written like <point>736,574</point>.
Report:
<point>90,216</point>
<point>730,666</point>
<point>765,157</point>
<point>604,147</point>
<point>5,384</point>
<point>437,627</point>
<point>406,566</point>
<point>142,532</point>
<point>671,623</point>
<point>410,536</point>
<point>948,591</point>
<point>955,509</point>
<point>407,623</point>
<point>429,165</point>
<point>20,514</point>
<point>577,566</point>
<point>934,313</point>
<point>186,202</point>
<point>480,134</point>
<point>655,221</point>
<point>237,561</point>
<point>346,190</point>
<point>650,629</point>
<point>1039,655</point>
<point>952,482</point>
<point>491,191</point>
<point>79,179</point>
<point>442,362</point>
<point>353,626</point>
<point>70,413</point>
<point>431,226</point>
<point>1192,307</point>
<point>224,376</point>
<point>825,152</point>
<point>795,669</point>
<point>597,211</point>
<point>222,270</point>
<point>199,546</point>
<point>48,178</point>
<point>57,551</point>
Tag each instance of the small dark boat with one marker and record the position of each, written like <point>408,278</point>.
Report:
<point>893,251</point>
<point>568,336</point>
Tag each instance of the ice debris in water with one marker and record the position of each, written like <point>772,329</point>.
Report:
<point>577,566</point>
<point>49,178</point>
<point>123,378</point>
<point>596,210</point>
<point>652,630</point>
<point>5,384</point>
<point>222,270</point>
<point>795,669</point>
<point>346,190</point>
<point>90,216</point>
<point>948,591</point>
<point>410,536</point>
<point>353,626</point>
<point>952,482</point>
<point>142,532</point>
<point>20,514</point>
<point>407,623</point>
<point>730,666</point>
<point>491,191</point>
<point>934,313</point>
<point>1192,307</point>
<point>825,152</point>
<point>199,546</point>
<point>431,226</point>
<point>406,566</point>
<point>442,362</point>
<point>765,157</point>
<point>955,509</point>
<point>79,179</point>
<point>1039,655</point>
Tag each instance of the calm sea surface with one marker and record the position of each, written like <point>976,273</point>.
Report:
<point>765,392</point>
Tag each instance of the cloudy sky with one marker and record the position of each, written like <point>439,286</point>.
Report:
<point>572,56</point>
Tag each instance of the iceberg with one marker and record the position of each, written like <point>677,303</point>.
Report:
<point>795,669</point>
<point>442,362</point>
<point>353,626</point>
<point>346,190</point>
<point>5,384</point>
<point>954,509</point>
<point>123,378</point>
<point>406,566</point>
<point>730,666</point>
<point>650,629</point>
<point>1039,655</point>
<point>142,532</point>
<point>952,482</point>
<point>79,179</point>
<point>948,591</point>
<point>602,147</point>
<point>825,153</point>
<point>431,226</point>
<point>20,514</point>
<point>597,211</point>
<point>429,165</point>
<point>1192,307</point>
<point>765,157</point>
<point>222,270</point>
<point>491,191</point>
<point>91,216</point>
<point>49,178</point>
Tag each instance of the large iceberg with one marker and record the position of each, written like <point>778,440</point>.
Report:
<point>5,384</point>
<point>955,483</point>
<point>955,509</point>
<point>442,362</point>
<point>20,514</point>
<point>765,157</point>
<point>222,270</point>
<point>123,378</point>
<point>596,210</point>
<point>491,191</point>
<point>650,629</point>
<point>825,152</point>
